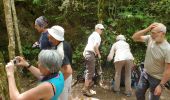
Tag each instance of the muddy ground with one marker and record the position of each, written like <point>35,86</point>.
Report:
<point>103,94</point>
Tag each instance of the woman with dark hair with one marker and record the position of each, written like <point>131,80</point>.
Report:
<point>52,80</point>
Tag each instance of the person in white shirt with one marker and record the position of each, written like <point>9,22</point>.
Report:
<point>91,50</point>
<point>123,58</point>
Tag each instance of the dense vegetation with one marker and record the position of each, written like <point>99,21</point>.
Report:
<point>79,17</point>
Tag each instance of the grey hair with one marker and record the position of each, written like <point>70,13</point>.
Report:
<point>120,37</point>
<point>162,27</point>
<point>51,59</point>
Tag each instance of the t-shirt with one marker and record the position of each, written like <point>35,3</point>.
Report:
<point>67,53</point>
<point>122,51</point>
<point>44,42</point>
<point>157,55</point>
<point>65,50</point>
<point>93,39</point>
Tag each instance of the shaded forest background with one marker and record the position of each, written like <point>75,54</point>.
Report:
<point>78,17</point>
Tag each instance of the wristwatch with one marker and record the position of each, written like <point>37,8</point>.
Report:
<point>162,86</point>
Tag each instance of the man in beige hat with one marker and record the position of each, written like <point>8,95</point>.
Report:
<point>91,50</point>
<point>56,37</point>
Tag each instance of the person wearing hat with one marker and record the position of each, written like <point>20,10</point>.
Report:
<point>123,58</point>
<point>91,50</point>
<point>157,61</point>
<point>40,25</point>
<point>48,71</point>
<point>56,37</point>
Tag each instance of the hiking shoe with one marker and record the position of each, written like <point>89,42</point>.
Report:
<point>128,94</point>
<point>117,93</point>
<point>87,93</point>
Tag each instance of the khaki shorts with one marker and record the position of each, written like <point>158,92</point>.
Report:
<point>90,65</point>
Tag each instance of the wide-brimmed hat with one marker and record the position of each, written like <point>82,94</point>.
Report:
<point>57,32</point>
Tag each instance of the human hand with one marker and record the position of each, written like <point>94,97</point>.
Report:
<point>158,90</point>
<point>36,44</point>
<point>99,56</point>
<point>21,61</point>
<point>10,68</point>
<point>153,25</point>
<point>133,67</point>
<point>109,58</point>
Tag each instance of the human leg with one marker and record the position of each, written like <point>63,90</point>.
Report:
<point>153,84</point>
<point>128,65</point>
<point>90,67</point>
<point>118,68</point>
<point>142,87</point>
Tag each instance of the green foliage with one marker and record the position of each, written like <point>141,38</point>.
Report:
<point>78,17</point>
<point>29,52</point>
<point>37,2</point>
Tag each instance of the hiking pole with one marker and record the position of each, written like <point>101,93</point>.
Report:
<point>100,73</point>
<point>101,81</point>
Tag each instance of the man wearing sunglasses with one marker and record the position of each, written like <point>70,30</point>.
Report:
<point>91,50</point>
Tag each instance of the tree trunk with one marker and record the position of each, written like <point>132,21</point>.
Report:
<point>10,28</point>
<point>3,80</point>
<point>16,27</point>
<point>100,9</point>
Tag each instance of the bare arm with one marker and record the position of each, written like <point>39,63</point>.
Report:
<point>42,91</point>
<point>36,72</point>
<point>166,77</point>
<point>96,49</point>
<point>13,91</point>
<point>138,36</point>
<point>111,54</point>
<point>166,74</point>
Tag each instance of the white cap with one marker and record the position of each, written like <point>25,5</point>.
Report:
<point>120,37</point>
<point>57,32</point>
<point>99,26</point>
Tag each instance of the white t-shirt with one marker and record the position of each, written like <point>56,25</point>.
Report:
<point>121,50</point>
<point>93,39</point>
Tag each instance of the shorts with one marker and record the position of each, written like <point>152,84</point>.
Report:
<point>90,65</point>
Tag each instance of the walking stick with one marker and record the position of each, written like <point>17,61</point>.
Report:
<point>100,72</point>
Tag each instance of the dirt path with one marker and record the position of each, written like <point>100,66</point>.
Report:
<point>103,94</point>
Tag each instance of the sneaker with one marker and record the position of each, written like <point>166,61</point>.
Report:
<point>128,94</point>
<point>92,91</point>
<point>87,93</point>
<point>116,92</point>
